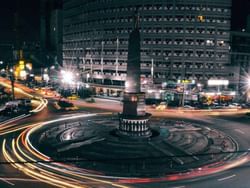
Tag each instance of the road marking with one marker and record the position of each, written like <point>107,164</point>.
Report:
<point>6,181</point>
<point>226,178</point>
<point>13,119</point>
<point>20,179</point>
<point>66,115</point>
<point>239,131</point>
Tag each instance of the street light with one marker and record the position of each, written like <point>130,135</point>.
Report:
<point>248,83</point>
<point>247,88</point>
<point>88,75</point>
<point>67,77</point>
<point>152,69</point>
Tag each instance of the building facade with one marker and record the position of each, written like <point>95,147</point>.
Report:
<point>180,39</point>
<point>51,29</point>
<point>240,60</point>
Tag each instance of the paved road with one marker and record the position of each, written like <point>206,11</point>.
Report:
<point>9,176</point>
<point>237,126</point>
<point>232,123</point>
<point>236,177</point>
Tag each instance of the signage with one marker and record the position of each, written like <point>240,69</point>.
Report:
<point>217,82</point>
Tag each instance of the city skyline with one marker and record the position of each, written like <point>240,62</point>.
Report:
<point>124,93</point>
<point>30,20</point>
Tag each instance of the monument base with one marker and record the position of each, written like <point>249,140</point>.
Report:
<point>134,126</point>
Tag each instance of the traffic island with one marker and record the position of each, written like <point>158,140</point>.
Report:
<point>175,146</point>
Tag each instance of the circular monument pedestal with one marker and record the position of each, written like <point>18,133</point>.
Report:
<point>134,126</point>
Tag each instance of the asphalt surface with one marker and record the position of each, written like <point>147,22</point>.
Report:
<point>234,124</point>
<point>237,126</point>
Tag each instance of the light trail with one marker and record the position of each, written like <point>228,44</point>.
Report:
<point>27,156</point>
<point>9,126</point>
<point>38,173</point>
<point>41,156</point>
<point>12,128</point>
<point>11,120</point>
<point>7,181</point>
<point>39,166</point>
<point>56,174</point>
<point>42,104</point>
<point>205,170</point>
<point>16,89</point>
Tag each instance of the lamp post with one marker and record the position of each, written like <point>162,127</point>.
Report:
<point>182,99</point>
<point>248,89</point>
<point>117,57</point>
<point>87,76</point>
<point>152,69</point>
<point>183,95</point>
<point>102,58</point>
<point>12,79</point>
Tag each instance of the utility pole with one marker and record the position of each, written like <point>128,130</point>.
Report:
<point>117,56</point>
<point>12,79</point>
<point>183,95</point>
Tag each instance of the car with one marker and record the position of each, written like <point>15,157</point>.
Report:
<point>188,107</point>
<point>161,106</point>
<point>25,102</point>
<point>64,105</point>
<point>245,105</point>
<point>73,97</point>
<point>234,105</point>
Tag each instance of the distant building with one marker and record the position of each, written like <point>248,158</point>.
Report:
<point>248,24</point>
<point>51,31</point>
<point>179,39</point>
<point>6,55</point>
<point>240,60</point>
<point>27,55</point>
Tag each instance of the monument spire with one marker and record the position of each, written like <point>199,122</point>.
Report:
<point>136,19</point>
<point>134,119</point>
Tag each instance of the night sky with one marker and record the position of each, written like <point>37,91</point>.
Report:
<point>240,10</point>
<point>29,18</point>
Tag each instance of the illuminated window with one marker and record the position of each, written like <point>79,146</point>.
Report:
<point>134,98</point>
<point>201,18</point>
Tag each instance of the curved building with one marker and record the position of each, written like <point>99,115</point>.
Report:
<point>180,39</point>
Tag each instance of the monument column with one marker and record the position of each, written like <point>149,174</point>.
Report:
<point>133,121</point>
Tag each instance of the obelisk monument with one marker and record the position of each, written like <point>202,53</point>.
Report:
<point>133,121</point>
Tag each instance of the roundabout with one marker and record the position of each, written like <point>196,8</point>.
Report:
<point>175,146</point>
<point>72,150</point>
